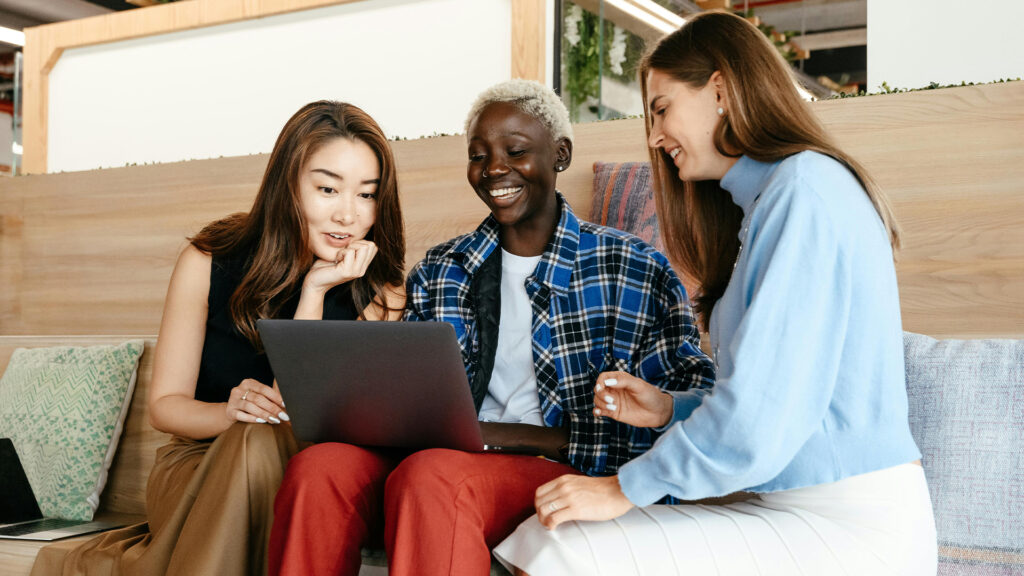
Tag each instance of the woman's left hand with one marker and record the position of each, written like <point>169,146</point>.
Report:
<point>349,264</point>
<point>574,497</point>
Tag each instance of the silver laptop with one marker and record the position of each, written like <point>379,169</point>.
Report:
<point>20,517</point>
<point>386,384</point>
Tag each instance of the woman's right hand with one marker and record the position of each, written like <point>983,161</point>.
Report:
<point>253,401</point>
<point>628,399</point>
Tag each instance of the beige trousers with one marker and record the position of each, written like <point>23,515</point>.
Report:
<point>209,507</point>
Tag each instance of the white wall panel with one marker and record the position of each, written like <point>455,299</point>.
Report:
<point>414,65</point>
<point>914,42</point>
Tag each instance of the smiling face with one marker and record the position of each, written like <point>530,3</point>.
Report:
<point>338,195</point>
<point>683,123</point>
<point>512,165</point>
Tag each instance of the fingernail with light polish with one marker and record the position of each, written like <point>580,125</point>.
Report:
<point>261,420</point>
<point>609,399</point>
<point>612,407</point>
<point>274,420</point>
<point>611,382</point>
<point>283,416</point>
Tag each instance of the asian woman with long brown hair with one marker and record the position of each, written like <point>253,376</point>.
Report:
<point>791,245</point>
<point>324,239</point>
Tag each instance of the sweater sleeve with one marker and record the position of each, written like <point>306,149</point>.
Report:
<point>785,355</point>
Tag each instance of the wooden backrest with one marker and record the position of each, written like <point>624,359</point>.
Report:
<point>126,485</point>
<point>91,252</point>
<point>952,162</point>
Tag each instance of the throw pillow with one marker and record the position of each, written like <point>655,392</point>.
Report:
<point>64,407</point>
<point>967,416</point>
<point>624,199</point>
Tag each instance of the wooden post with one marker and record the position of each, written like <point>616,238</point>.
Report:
<point>529,39</point>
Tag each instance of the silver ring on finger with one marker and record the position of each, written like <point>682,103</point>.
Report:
<point>244,395</point>
<point>552,507</point>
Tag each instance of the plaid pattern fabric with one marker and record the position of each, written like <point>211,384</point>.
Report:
<point>602,300</point>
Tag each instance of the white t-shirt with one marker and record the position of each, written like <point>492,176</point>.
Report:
<point>512,392</point>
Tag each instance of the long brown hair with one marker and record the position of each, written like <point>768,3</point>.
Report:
<point>275,231</point>
<point>766,120</point>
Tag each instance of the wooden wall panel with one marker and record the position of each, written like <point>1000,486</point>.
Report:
<point>529,39</point>
<point>952,161</point>
<point>91,252</point>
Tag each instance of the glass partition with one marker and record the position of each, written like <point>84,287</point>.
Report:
<point>602,42</point>
<point>598,72</point>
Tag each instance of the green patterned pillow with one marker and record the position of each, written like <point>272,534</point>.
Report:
<point>64,407</point>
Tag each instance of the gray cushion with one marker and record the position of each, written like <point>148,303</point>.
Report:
<point>967,416</point>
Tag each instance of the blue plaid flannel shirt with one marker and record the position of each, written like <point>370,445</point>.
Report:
<point>602,300</point>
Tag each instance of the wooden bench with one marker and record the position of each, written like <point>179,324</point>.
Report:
<point>85,257</point>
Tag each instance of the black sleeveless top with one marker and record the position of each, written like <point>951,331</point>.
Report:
<point>228,357</point>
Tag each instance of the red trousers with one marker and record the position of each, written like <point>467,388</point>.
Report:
<point>442,510</point>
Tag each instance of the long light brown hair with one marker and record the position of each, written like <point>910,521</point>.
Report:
<point>275,232</point>
<point>766,120</point>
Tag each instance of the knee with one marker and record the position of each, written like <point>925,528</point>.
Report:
<point>309,467</point>
<point>258,454</point>
<point>337,472</point>
<point>260,446</point>
<point>426,474</point>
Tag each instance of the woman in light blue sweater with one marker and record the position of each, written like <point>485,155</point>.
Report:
<point>792,247</point>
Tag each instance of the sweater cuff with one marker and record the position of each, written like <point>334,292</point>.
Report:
<point>635,479</point>
<point>684,402</point>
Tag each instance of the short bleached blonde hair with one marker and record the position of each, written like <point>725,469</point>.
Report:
<point>530,97</point>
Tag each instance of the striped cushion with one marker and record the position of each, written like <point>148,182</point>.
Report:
<point>624,199</point>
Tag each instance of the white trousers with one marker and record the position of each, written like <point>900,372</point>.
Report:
<point>875,524</point>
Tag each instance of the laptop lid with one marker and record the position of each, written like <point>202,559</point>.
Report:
<point>389,384</point>
<point>17,501</point>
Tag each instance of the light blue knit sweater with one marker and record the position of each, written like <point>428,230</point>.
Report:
<point>808,343</point>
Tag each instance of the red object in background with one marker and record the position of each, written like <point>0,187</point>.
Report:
<point>7,107</point>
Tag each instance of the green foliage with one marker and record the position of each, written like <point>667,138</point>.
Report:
<point>588,49</point>
<point>582,68</point>
<point>884,88</point>
<point>582,80</point>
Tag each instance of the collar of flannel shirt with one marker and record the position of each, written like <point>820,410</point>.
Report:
<point>556,265</point>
